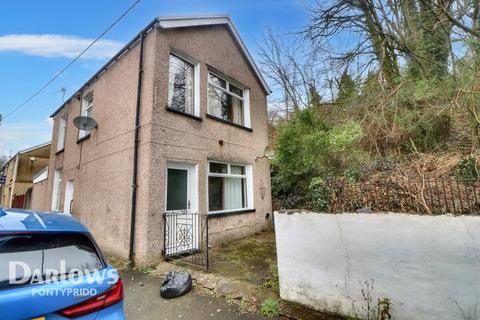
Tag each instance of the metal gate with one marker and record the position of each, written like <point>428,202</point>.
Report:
<point>186,237</point>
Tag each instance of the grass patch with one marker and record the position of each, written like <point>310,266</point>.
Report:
<point>146,270</point>
<point>272,281</point>
<point>270,308</point>
<point>233,258</point>
<point>117,263</point>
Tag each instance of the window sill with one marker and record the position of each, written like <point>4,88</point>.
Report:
<point>59,151</point>
<point>229,213</point>
<point>229,123</point>
<point>184,114</point>
<point>86,137</point>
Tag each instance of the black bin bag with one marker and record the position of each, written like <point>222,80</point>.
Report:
<point>176,284</point>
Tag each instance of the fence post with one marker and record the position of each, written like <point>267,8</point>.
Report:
<point>164,251</point>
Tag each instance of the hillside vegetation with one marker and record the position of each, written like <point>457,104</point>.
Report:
<point>374,88</point>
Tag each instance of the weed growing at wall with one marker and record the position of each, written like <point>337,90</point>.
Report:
<point>471,313</point>
<point>272,279</point>
<point>270,308</point>
<point>368,309</point>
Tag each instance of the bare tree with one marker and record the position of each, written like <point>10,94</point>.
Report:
<point>294,67</point>
<point>3,160</point>
<point>362,24</point>
<point>382,33</point>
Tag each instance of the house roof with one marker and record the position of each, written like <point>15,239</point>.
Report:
<point>46,144</point>
<point>197,21</point>
<point>172,23</point>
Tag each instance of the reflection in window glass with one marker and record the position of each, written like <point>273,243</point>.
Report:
<point>236,90</point>
<point>227,187</point>
<point>218,167</point>
<point>180,85</point>
<point>223,104</point>
<point>87,108</point>
<point>47,252</point>
<point>237,169</point>
<point>216,80</point>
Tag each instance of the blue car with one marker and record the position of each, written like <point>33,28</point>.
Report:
<point>51,268</point>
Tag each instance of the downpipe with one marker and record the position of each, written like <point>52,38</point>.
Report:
<point>131,251</point>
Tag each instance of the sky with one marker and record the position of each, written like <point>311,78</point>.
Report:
<point>38,38</point>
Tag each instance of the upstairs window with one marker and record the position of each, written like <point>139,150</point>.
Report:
<point>87,108</point>
<point>62,129</point>
<point>227,101</point>
<point>181,86</point>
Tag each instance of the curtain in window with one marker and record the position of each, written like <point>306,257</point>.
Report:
<point>233,193</point>
<point>237,111</point>
<point>216,102</point>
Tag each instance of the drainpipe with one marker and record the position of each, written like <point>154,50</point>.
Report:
<point>131,252</point>
<point>17,160</point>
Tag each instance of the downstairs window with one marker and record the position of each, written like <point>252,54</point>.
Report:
<point>228,187</point>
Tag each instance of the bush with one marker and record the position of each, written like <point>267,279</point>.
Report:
<point>319,194</point>
<point>466,169</point>
<point>307,147</point>
<point>353,175</point>
<point>427,130</point>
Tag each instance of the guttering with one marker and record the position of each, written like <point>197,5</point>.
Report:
<point>176,22</point>
<point>110,62</point>
<point>133,213</point>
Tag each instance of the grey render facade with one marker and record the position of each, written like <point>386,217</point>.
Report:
<point>194,130</point>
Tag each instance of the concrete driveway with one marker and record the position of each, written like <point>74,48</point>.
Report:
<point>143,302</point>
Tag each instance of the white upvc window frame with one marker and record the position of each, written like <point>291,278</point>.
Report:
<point>248,184</point>
<point>86,111</point>
<point>196,79</point>
<point>245,99</point>
<point>62,133</point>
<point>56,192</point>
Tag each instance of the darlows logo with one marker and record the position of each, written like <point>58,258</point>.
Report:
<point>77,293</point>
<point>20,273</point>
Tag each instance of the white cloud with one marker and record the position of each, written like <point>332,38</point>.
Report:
<point>57,46</point>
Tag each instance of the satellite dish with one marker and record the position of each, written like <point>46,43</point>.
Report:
<point>268,153</point>
<point>84,123</point>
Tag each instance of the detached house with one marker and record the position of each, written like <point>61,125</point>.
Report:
<point>181,119</point>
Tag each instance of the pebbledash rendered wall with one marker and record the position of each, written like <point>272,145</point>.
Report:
<point>428,266</point>
<point>102,181</point>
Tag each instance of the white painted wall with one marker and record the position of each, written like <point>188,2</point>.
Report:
<point>423,264</point>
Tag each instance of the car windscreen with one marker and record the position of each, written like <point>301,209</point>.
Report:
<point>39,257</point>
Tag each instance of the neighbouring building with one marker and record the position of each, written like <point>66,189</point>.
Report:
<point>39,191</point>
<point>19,173</point>
<point>182,125</point>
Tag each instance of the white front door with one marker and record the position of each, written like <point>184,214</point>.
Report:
<point>182,208</point>
<point>67,205</point>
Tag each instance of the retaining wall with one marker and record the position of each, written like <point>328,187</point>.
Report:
<point>428,266</point>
